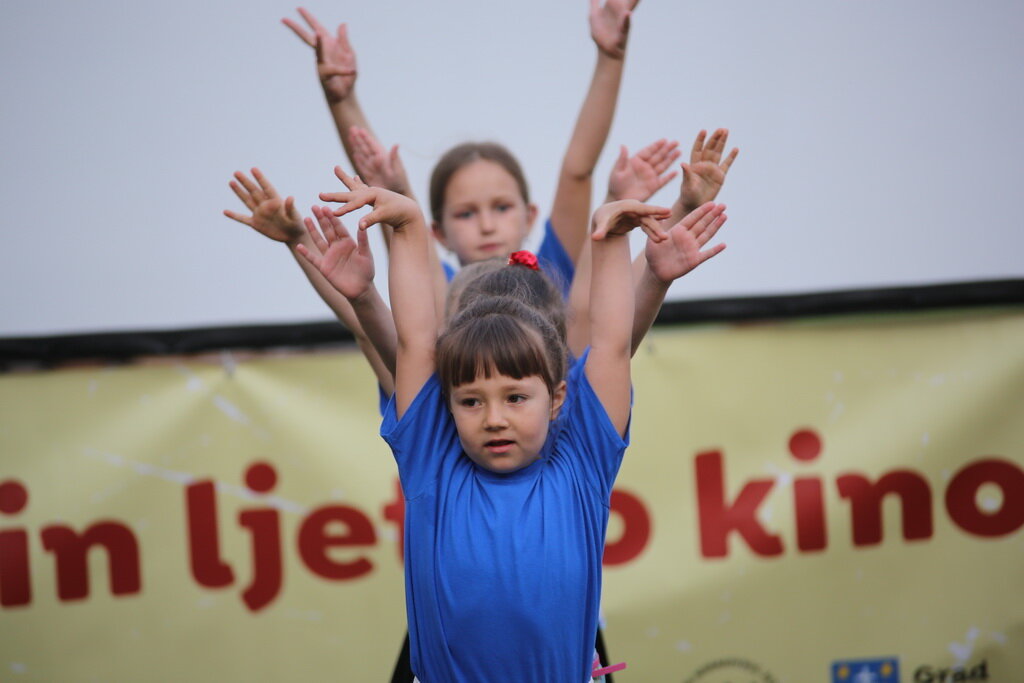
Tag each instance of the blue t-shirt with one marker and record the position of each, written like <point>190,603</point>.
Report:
<point>503,571</point>
<point>554,261</point>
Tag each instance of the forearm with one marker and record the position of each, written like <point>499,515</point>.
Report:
<point>595,119</point>
<point>410,283</point>
<point>611,296</point>
<point>570,212</point>
<point>649,295</point>
<point>378,325</point>
<point>578,332</point>
<point>611,323</point>
<point>412,302</point>
<point>347,112</point>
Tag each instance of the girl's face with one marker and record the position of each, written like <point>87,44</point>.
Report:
<point>484,213</point>
<point>502,421</point>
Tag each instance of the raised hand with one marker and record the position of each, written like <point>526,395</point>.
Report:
<point>375,165</point>
<point>335,58</point>
<point>609,25</point>
<point>640,176</point>
<point>618,218</point>
<point>389,207</point>
<point>269,215</point>
<point>704,175</point>
<point>684,249</point>
<point>345,262</point>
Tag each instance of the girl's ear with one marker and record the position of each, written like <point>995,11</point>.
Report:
<point>438,231</point>
<point>531,216</point>
<point>557,399</point>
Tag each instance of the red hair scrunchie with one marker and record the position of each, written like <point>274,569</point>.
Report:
<point>523,258</point>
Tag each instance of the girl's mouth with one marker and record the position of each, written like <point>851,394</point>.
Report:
<point>498,446</point>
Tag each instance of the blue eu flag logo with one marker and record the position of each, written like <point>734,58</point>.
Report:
<point>884,670</point>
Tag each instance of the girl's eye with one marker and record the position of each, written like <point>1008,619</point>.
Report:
<point>463,215</point>
<point>502,208</point>
<point>469,402</point>
<point>516,398</point>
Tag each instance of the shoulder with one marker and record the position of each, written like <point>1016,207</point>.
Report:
<point>427,410</point>
<point>554,259</point>
<point>583,414</point>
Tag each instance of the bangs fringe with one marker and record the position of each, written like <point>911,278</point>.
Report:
<point>492,344</point>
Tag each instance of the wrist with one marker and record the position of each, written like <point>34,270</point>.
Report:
<point>366,298</point>
<point>680,209</point>
<point>298,238</point>
<point>652,282</point>
<point>409,224</point>
<point>614,59</point>
<point>334,100</point>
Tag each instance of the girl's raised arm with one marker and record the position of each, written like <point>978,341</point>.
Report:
<point>410,280</point>
<point>612,302</point>
<point>609,28</point>
<point>280,221</point>
<point>347,264</point>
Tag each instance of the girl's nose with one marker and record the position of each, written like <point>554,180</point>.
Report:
<point>494,418</point>
<point>487,223</point>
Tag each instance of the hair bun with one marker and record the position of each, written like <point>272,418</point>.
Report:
<point>523,258</point>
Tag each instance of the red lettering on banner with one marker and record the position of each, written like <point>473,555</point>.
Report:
<point>866,504</point>
<point>719,518</point>
<point>15,587</point>
<point>962,493</point>
<point>808,497</point>
<point>208,569</point>
<point>314,541</point>
<point>636,529</point>
<point>315,538</point>
<point>265,527</point>
<point>330,526</point>
<point>70,548</point>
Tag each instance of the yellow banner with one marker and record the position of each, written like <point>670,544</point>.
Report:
<point>838,499</point>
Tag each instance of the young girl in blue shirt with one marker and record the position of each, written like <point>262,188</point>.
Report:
<point>505,516</point>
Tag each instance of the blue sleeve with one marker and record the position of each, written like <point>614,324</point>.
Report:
<point>555,261</point>
<point>589,431</point>
<point>424,440</point>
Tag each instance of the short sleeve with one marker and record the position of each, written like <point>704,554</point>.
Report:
<point>555,260</point>
<point>590,434</point>
<point>424,440</point>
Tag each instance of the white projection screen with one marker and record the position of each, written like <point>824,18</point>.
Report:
<point>880,141</point>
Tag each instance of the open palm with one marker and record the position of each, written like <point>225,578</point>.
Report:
<point>269,214</point>
<point>335,58</point>
<point>345,262</point>
<point>684,249</point>
<point>609,25</point>
<point>704,176</point>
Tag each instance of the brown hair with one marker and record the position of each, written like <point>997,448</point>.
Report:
<point>464,279</point>
<point>531,287</point>
<point>464,154</point>
<point>498,334</point>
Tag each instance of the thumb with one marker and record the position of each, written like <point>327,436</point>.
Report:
<point>623,161</point>
<point>362,242</point>
<point>319,47</point>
